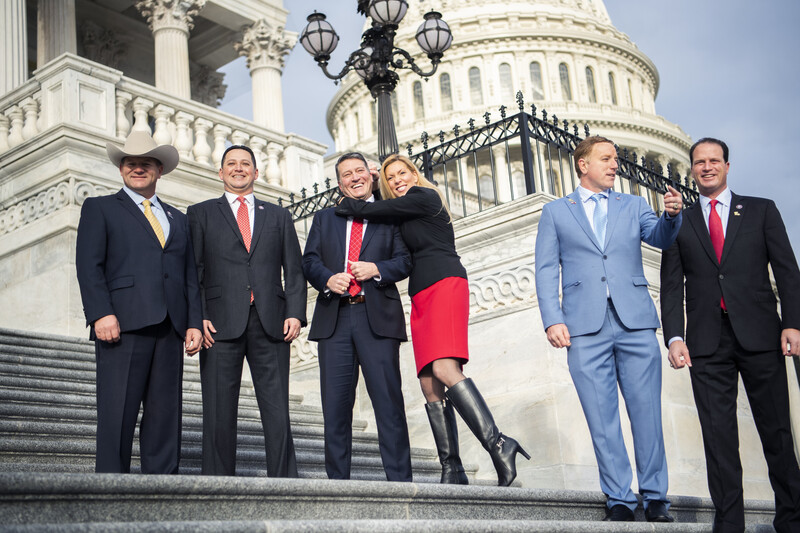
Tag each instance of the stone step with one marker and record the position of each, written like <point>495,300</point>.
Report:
<point>191,410</point>
<point>310,458</point>
<point>67,394</point>
<point>32,498</point>
<point>371,526</point>
<point>15,435</point>
<point>73,347</point>
<point>41,368</point>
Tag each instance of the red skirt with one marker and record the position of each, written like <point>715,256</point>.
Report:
<point>439,322</point>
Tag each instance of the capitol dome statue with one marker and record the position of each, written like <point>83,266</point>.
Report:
<point>564,56</point>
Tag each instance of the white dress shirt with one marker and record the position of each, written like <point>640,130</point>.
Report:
<point>155,207</point>
<point>250,202</point>
<point>589,204</point>
<point>724,200</point>
<point>723,210</point>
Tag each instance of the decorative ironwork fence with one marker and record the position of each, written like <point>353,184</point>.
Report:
<point>518,155</point>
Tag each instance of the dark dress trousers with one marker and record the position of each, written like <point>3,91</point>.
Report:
<point>742,341</point>
<point>227,274</point>
<point>365,335</point>
<point>123,271</point>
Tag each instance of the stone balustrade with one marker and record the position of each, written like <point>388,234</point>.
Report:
<point>75,91</point>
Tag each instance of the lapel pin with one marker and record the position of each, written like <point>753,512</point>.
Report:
<point>738,206</point>
<point>736,213</point>
<point>169,214</point>
<point>261,207</point>
<point>571,201</point>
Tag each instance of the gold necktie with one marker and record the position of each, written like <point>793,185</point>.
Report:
<point>151,218</point>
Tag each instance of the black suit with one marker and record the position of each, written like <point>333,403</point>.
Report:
<point>123,271</point>
<point>227,274</point>
<point>366,335</point>
<point>745,341</point>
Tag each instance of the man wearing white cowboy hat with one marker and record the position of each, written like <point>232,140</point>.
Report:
<point>140,295</point>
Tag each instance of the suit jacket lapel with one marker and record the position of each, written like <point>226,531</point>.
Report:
<point>575,205</point>
<point>260,215</point>
<point>367,235</point>
<point>130,205</point>
<point>227,214</point>
<point>735,216</point>
<point>694,214</point>
<point>339,229</point>
<point>173,227</point>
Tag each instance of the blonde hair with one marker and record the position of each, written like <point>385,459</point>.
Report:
<point>388,193</point>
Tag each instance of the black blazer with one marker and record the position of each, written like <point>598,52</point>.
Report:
<point>123,271</point>
<point>755,237</point>
<point>324,256</point>
<point>426,229</point>
<point>227,272</point>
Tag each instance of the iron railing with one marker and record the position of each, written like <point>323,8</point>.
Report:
<point>518,155</point>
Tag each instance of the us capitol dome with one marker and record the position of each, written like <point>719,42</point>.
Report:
<point>565,56</point>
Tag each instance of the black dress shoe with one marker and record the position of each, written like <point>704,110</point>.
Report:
<point>657,512</point>
<point>619,513</point>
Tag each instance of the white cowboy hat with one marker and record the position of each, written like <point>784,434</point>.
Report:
<point>141,144</point>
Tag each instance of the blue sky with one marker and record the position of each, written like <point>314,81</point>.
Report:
<point>728,69</point>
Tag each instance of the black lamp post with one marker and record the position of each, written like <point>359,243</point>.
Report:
<point>377,58</point>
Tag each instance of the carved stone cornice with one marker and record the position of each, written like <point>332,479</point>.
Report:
<point>265,45</point>
<point>46,202</point>
<point>174,14</point>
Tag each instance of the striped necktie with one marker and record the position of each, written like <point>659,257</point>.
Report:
<point>151,218</point>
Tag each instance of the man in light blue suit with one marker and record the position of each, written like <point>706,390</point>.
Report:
<point>606,319</point>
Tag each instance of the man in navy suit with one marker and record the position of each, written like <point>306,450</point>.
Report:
<point>721,262</point>
<point>589,248</point>
<point>138,284</point>
<point>254,304</point>
<point>359,322</point>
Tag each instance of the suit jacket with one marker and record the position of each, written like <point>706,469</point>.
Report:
<point>566,245</point>
<point>227,272</point>
<point>123,271</point>
<point>755,237</point>
<point>324,256</point>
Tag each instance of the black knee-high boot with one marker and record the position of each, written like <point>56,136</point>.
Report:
<point>445,433</point>
<point>473,409</point>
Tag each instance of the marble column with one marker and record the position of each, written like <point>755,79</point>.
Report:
<point>55,27</point>
<point>170,21</point>
<point>15,45</point>
<point>265,46</point>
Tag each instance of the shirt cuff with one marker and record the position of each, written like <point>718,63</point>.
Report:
<point>673,339</point>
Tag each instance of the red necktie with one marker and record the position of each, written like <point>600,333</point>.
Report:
<point>352,252</point>
<point>717,237</point>
<point>243,220</point>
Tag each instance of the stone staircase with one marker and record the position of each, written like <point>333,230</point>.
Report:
<point>48,417</point>
<point>47,424</point>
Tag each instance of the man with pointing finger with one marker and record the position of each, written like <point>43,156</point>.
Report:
<point>254,304</point>
<point>588,248</point>
<point>721,259</point>
<point>359,322</point>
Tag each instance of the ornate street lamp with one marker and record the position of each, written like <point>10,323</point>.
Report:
<point>377,58</point>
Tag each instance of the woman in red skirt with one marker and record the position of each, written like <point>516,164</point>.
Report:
<point>439,316</point>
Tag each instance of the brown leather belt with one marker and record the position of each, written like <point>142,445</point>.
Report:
<point>351,300</point>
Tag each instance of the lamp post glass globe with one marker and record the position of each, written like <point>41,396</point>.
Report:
<point>433,35</point>
<point>318,37</point>
<point>388,11</point>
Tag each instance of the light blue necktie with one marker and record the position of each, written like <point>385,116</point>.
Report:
<point>600,218</point>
